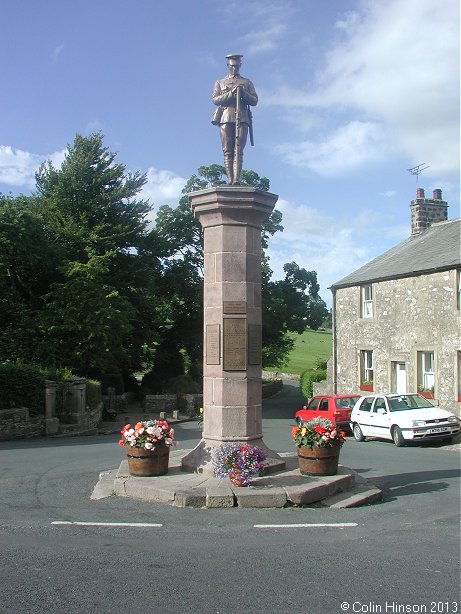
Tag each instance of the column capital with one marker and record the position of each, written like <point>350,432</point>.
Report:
<point>230,204</point>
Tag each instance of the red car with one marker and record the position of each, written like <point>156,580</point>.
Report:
<point>336,407</point>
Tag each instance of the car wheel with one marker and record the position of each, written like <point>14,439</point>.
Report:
<point>299,422</point>
<point>398,437</point>
<point>358,435</point>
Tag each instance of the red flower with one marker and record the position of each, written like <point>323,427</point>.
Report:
<point>318,428</point>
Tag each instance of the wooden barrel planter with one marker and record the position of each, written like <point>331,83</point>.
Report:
<point>148,463</point>
<point>318,460</point>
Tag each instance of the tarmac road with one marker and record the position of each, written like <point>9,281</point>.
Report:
<point>398,554</point>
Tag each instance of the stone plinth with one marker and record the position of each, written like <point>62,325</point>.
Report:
<point>231,218</point>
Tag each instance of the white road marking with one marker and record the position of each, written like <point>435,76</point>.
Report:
<point>335,525</point>
<point>107,524</point>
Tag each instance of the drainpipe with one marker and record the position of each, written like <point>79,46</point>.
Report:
<point>333,319</point>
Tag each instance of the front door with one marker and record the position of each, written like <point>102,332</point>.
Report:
<point>399,378</point>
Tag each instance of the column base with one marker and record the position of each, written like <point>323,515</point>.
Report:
<point>199,459</point>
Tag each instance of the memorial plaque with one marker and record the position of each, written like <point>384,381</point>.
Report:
<point>254,344</point>
<point>234,344</point>
<point>234,307</point>
<point>213,344</point>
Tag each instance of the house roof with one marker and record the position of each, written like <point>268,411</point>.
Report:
<point>438,248</point>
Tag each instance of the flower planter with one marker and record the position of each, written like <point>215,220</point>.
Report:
<point>318,460</point>
<point>236,478</point>
<point>367,387</point>
<point>148,463</point>
<point>427,394</point>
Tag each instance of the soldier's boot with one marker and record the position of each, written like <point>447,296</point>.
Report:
<point>229,170</point>
<point>237,169</point>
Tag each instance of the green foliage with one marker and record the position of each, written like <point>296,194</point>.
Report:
<point>290,304</point>
<point>22,386</point>
<point>93,393</point>
<point>183,384</point>
<point>78,286</point>
<point>307,380</point>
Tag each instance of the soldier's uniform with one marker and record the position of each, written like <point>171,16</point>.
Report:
<point>224,97</point>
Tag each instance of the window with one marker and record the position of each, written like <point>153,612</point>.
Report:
<point>366,404</point>
<point>426,374</point>
<point>323,405</point>
<point>366,366</point>
<point>367,301</point>
<point>314,403</point>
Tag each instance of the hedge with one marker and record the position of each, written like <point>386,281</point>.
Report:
<point>308,378</point>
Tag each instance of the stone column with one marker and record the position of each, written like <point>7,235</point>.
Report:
<point>51,422</point>
<point>231,218</point>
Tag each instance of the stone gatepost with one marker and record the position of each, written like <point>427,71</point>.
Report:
<point>231,218</point>
<point>51,422</point>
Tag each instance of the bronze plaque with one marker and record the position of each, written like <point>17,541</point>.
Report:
<point>254,344</point>
<point>234,344</point>
<point>234,307</point>
<point>213,344</point>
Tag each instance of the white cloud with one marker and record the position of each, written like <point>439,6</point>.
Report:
<point>333,246</point>
<point>162,187</point>
<point>266,23</point>
<point>350,146</point>
<point>393,63</point>
<point>17,167</point>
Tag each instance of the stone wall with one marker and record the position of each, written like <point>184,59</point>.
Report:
<point>17,424</point>
<point>186,404</point>
<point>73,417</point>
<point>410,315</point>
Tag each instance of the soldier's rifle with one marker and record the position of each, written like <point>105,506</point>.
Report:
<point>238,119</point>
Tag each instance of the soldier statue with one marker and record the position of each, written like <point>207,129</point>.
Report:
<point>233,95</point>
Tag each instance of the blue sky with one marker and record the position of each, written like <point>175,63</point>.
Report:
<point>352,93</point>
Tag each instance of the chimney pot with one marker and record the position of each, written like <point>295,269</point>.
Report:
<point>419,192</point>
<point>437,194</point>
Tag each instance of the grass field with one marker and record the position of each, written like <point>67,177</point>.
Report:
<point>310,348</point>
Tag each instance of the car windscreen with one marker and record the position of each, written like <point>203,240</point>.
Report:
<point>408,401</point>
<point>346,402</point>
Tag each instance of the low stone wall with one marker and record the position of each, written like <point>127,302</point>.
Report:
<point>186,404</point>
<point>280,375</point>
<point>16,423</point>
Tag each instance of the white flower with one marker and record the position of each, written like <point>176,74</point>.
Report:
<point>148,445</point>
<point>150,430</point>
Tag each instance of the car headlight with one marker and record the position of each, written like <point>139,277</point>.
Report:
<point>418,423</point>
<point>452,419</point>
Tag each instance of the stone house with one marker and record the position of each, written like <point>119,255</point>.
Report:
<point>396,320</point>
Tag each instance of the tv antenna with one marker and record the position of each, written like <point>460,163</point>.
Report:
<point>417,170</point>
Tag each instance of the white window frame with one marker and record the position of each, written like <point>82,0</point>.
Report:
<point>367,369</point>
<point>426,370</point>
<point>366,294</point>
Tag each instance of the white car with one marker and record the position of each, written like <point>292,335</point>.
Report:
<point>401,418</point>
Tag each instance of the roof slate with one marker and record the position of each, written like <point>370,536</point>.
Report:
<point>436,249</point>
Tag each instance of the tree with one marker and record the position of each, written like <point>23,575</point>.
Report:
<point>92,285</point>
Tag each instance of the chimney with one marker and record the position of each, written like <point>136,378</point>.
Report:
<point>427,211</point>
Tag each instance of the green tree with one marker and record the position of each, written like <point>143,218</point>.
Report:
<point>92,283</point>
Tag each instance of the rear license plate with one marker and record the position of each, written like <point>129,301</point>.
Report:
<point>439,430</point>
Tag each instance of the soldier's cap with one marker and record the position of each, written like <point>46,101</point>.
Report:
<point>234,56</point>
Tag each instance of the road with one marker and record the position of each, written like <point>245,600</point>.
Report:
<point>403,553</point>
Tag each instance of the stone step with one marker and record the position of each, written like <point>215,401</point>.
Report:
<point>360,494</point>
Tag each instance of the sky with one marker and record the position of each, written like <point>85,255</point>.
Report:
<point>352,94</point>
